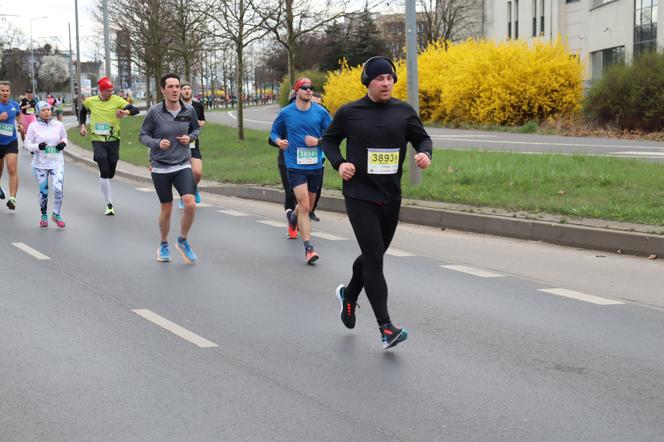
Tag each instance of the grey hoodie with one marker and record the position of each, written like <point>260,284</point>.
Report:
<point>160,124</point>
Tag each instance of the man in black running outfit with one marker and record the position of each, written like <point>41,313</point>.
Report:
<point>377,129</point>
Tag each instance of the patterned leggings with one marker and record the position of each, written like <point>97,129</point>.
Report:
<point>41,175</point>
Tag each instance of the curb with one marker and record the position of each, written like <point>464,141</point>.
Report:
<point>617,241</point>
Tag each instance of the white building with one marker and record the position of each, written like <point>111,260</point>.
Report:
<point>601,32</point>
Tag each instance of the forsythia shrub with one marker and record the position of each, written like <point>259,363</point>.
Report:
<point>481,82</point>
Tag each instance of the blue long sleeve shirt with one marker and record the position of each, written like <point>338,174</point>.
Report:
<point>297,124</point>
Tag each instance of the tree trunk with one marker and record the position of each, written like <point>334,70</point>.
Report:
<point>291,42</point>
<point>148,98</point>
<point>240,79</point>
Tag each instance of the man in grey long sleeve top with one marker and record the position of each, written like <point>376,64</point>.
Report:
<point>167,130</point>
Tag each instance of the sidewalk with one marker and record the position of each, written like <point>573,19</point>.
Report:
<point>610,236</point>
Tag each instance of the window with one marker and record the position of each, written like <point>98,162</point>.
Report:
<point>534,18</point>
<point>598,3</point>
<point>509,20</point>
<point>645,26</point>
<point>542,18</point>
<point>600,61</point>
<point>516,19</point>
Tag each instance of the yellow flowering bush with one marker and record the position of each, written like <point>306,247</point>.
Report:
<point>481,82</point>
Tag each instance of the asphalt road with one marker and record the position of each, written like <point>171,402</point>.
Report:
<point>490,357</point>
<point>262,117</point>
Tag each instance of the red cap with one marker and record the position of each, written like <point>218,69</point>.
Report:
<point>301,82</point>
<point>104,84</point>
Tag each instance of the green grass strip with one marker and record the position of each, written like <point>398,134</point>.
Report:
<point>629,190</point>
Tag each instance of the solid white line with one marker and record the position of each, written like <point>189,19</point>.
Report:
<point>539,143</point>
<point>175,329</point>
<point>271,223</point>
<point>30,251</point>
<point>642,154</point>
<point>396,252</point>
<point>233,213</point>
<point>581,296</point>
<point>473,271</point>
<point>145,189</point>
<point>328,236</point>
<point>443,137</point>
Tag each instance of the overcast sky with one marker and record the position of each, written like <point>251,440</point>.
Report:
<point>53,30</point>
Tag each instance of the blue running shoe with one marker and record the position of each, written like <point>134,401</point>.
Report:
<point>2,194</point>
<point>197,197</point>
<point>391,335</point>
<point>185,250</point>
<point>163,253</point>
<point>181,204</point>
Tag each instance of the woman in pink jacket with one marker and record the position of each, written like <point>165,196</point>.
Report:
<point>46,138</point>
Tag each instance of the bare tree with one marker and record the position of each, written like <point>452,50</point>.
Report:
<point>450,20</point>
<point>239,22</point>
<point>147,23</point>
<point>289,20</point>
<point>190,29</point>
<point>11,35</point>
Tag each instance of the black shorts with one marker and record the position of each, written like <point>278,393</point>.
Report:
<point>106,151</point>
<point>312,177</point>
<point>12,147</point>
<point>183,180</point>
<point>196,153</point>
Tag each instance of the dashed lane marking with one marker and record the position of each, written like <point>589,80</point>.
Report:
<point>175,329</point>
<point>472,271</point>
<point>30,251</point>
<point>397,252</point>
<point>327,236</point>
<point>232,212</point>
<point>579,296</point>
<point>269,222</point>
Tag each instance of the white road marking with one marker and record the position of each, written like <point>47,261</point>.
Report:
<point>581,296</point>
<point>327,236</point>
<point>30,251</point>
<point>202,205</point>
<point>443,137</point>
<point>175,329</point>
<point>271,223</point>
<point>539,143</point>
<point>145,189</point>
<point>473,271</point>
<point>396,252</point>
<point>233,213</point>
<point>230,114</point>
<point>641,154</point>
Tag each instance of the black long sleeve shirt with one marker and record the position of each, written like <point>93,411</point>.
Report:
<point>375,133</point>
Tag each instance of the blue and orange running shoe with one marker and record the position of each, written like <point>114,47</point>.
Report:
<point>185,250</point>
<point>391,335</point>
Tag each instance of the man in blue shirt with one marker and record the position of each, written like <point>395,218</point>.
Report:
<point>304,125</point>
<point>9,111</point>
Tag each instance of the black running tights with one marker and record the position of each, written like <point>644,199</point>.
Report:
<point>374,226</point>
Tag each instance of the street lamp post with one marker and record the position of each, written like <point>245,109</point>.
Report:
<point>411,70</point>
<point>32,56</point>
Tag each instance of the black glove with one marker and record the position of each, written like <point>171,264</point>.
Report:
<point>61,145</point>
<point>42,145</point>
